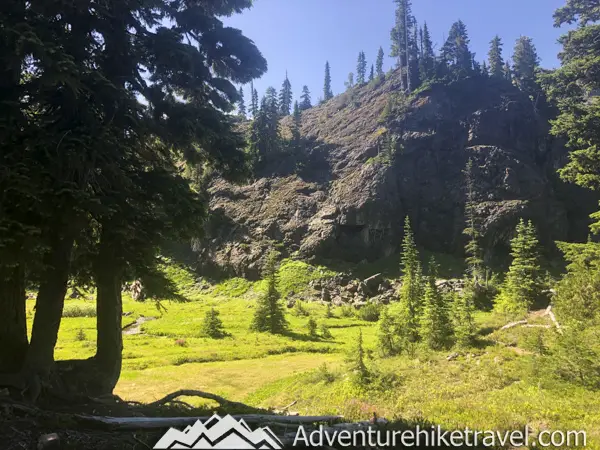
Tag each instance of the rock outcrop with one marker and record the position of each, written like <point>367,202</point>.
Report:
<point>370,157</point>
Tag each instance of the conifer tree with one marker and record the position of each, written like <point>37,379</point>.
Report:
<point>572,88</point>
<point>463,310</point>
<point>411,292</point>
<point>285,97</point>
<point>495,58</point>
<point>507,71</point>
<point>525,65</point>
<point>296,124</point>
<point>414,76</point>
<point>522,286</point>
<point>361,68</point>
<point>474,260</point>
<point>427,59</point>
<point>485,72</point>
<point>212,325</point>
<point>356,360</point>
<point>387,340</point>
<point>350,82</point>
<point>372,73</point>
<point>379,63</point>
<point>241,103</point>
<point>327,93</point>
<point>253,101</point>
<point>269,315</point>
<point>265,138</point>
<point>455,52</point>
<point>305,101</point>
<point>436,329</point>
<point>401,35</point>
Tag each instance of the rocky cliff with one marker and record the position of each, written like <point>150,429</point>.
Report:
<point>371,156</point>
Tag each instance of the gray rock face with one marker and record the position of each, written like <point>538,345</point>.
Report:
<point>362,173</point>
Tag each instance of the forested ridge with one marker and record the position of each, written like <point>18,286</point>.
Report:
<point>127,131</point>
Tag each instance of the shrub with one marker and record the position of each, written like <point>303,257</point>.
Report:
<point>324,374</point>
<point>328,311</point>
<point>369,313</point>
<point>388,343</point>
<point>80,335</point>
<point>299,309</point>
<point>325,333</point>
<point>312,327</point>
<point>346,311</point>
<point>79,311</point>
<point>212,325</point>
<point>181,343</point>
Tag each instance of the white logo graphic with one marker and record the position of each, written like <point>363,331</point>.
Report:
<point>219,432</point>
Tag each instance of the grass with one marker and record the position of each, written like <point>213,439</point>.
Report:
<point>499,384</point>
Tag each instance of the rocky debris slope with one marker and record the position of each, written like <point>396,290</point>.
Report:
<point>370,157</point>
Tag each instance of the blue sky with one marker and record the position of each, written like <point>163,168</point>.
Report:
<point>300,35</point>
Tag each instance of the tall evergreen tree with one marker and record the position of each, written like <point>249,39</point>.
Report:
<point>401,36</point>
<point>522,286</point>
<point>79,77</point>
<point>574,88</point>
<point>379,63</point>
<point>269,315</point>
<point>414,76</point>
<point>436,328</point>
<point>525,65</point>
<point>265,137</point>
<point>411,292</point>
<point>372,73</point>
<point>253,101</point>
<point>285,97</point>
<point>361,68</point>
<point>327,93</point>
<point>241,103</point>
<point>455,52</point>
<point>305,101</point>
<point>427,59</point>
<point>495,58</point>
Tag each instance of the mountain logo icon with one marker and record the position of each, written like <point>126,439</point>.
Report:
<point>222,433</point>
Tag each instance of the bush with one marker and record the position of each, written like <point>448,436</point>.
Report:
<point>312,327</point>
<point>213,326</point>
<point>79,311</point>
<point>299,309</point>
<point>80,335</point>
<point>324,374</point>
<point>369,313</point>
<point>325,333</point>
<point>328,311</point>
<point>181,343</point>
<point>346,311</point>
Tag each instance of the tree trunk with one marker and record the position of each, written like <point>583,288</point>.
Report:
<point>13,320</point>
<point>49,305</point>
<point>108,274</point>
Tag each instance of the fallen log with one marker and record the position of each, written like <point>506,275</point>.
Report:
<point>150,423</point>
<point>193,393</point>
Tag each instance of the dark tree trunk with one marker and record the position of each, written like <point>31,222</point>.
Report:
<point>49,305</point>
<point>13,319</point>
<point>108,275</point>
